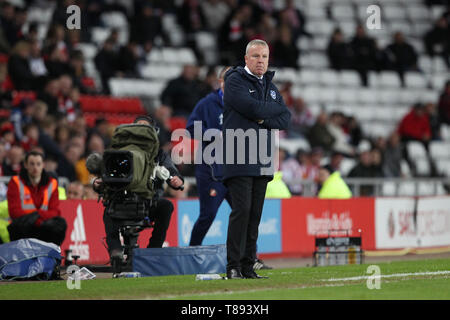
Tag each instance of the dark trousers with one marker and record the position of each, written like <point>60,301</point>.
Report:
<point>209,204</point>
<point>52,230</point>
<point>247,198</point>
<point>159,213</point>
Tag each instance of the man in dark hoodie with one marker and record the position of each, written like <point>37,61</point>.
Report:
<point>253,107</point>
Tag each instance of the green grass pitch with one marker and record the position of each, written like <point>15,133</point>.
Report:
<point>418,279</point>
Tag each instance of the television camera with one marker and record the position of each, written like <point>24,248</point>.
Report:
<point>127,173</point>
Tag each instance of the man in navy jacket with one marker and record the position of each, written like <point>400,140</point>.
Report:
<point>209,114</point>
<point>253,107</point>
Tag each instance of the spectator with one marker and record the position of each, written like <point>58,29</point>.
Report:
<point>190,17</point>
<point>294,18</point>
<point>392,157</point>
<point>433,118</point>
<point>162,116</point>
<point>331,185</point>
<point>106,62</point>
<point>183,92</point>
<point>353,129</point>
<point>37,63</point>
<point>365,51</point>
<point>294,171</point>
<point>401,56</point>
<point>66,163</point>
<point>444,105</point>
<point>68,105</point>
<point>149,20</point>
<point>13,161</point>
<point>437,40</point>
<point>341,139</point>
<point>56,61</point>
<point>75,191</point>
<point>7,135</point>
<point>319,134</point>
<point>232,38</point>
<point>30,137</point>
<point>127,60</point>
<point>21,115</point>
<point>301,119</point>
<point>8,27</point>
<point>285,52</point>
<point>3,153</point>
<point>33,203</point>
<point>78,73</point>
<point>339,52</point>
<point>335,162</point>
<point>415,126</point>
<point>363,169</point>
<point>49,95</point>
<point>19,68</point>
<point>215,13</point>
<point>89,193</point>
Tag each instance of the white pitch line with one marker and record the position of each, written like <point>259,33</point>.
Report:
<point>412,274</point>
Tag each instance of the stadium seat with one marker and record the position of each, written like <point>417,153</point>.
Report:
<point>407,188</point>
<point>186,56</point>
<point>422,166</point>
<point>392,12</point>
<point>389,79</point>
<point>403,26</point>
<point>367,96</point>
<point>417,12</point>
<point>389,97</point>
<point>347,164</point>
<point>389,189</point>
<point>440,149</point>
<point>292,145</point>
<point>349,78</point>
<point>438,81</point>
<point>416,150</point>
<point>114,19</point>
<point>329,77</point>
<point>415,80</point>
<point>347,95</point>
<point>309,76</point>
<point>89,50</point>
<point>342,11</point>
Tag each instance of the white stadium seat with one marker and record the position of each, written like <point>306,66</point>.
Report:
<point>415,80</point>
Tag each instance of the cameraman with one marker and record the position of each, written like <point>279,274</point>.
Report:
<point>160,211</point>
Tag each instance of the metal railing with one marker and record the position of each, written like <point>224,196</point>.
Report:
<point>380,187</point>
<point>62,181</point>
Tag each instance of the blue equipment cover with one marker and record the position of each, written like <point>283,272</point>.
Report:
<point>180,260</point>
<point>28,258</point>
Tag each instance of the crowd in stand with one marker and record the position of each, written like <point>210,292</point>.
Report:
<point>50,119</point>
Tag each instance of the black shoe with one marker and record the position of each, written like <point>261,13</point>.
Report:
<point>252,275</point>
<point>234,274</point>
<point>260,265</point>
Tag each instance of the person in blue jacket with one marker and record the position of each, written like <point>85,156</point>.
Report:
<point>211,190</point>
<point>253,107</point>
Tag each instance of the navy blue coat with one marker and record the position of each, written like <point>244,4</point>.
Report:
<point>209,111</point>
<point>246,102</point>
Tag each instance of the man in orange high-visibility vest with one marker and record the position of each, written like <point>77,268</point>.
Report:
<point>34,204</point>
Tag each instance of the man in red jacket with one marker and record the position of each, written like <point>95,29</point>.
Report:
<point>415,126</point>
<point>34,204</point>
